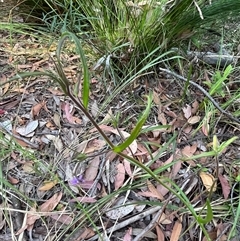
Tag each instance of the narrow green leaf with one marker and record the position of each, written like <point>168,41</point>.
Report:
<point>209,216</point>
<point>204,154</point>
<point>137,129</point>
<point>86,78</point>
<point>228,71</point>
<point>225,144</point>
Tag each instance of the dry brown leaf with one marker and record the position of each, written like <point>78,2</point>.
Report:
<point>92,170</point>
<point>154,191</point>
<point>94,145</point>
<point>164,220</point>
<point>195,106</point>
<point>162,118</point>
<point>177,228</point>
<point>103,127</point>
<point>55,91</point>
<point>50,125</point>
<point>48,206</point>
<point>8,105</point>
<point>77,120</point>
<point>170,159</point>
<point>212,235</point>
<point>160,234</point>
<point>28,130</point>
<point>119,178</point>
<point>163,190</point>
<point>188,151</point>
<point>208,181</point>
<point>88,233</point>
<point>37,108</point>
<point>187,129</point>
<point>147,194</point>
<point>56,120</point>
<point>58,143</point>
<point>156,98</point>
<point>62,218</point>
<point>176,168</point>
<point>221,228</point>
<point>28,167</point>
<point>47,185</point>
<point>194,119</point>
<point>21,142</point>
<point>187,110</point>
<point>127,167</point>
<point>51,203</point>
<point>12,180</point>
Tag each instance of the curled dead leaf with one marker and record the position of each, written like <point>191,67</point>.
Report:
<point>194,119</point>
<point>37,108</point>
<point>208,181</point>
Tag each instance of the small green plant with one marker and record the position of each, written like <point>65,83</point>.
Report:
<point>217,86</point>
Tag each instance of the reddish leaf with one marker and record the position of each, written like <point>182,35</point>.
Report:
<point>68,109</point>
<point>12,180</point>
<point>225,186</point>
<point>128,235</point>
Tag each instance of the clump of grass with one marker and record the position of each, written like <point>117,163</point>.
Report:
<point>125,32</point>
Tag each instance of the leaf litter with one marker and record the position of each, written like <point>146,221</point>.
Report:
<point>71,154</point>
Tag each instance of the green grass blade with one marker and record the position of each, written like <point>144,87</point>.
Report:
<point>137,129</point>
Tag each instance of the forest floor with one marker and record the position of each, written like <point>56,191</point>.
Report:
<point>61,181</point>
